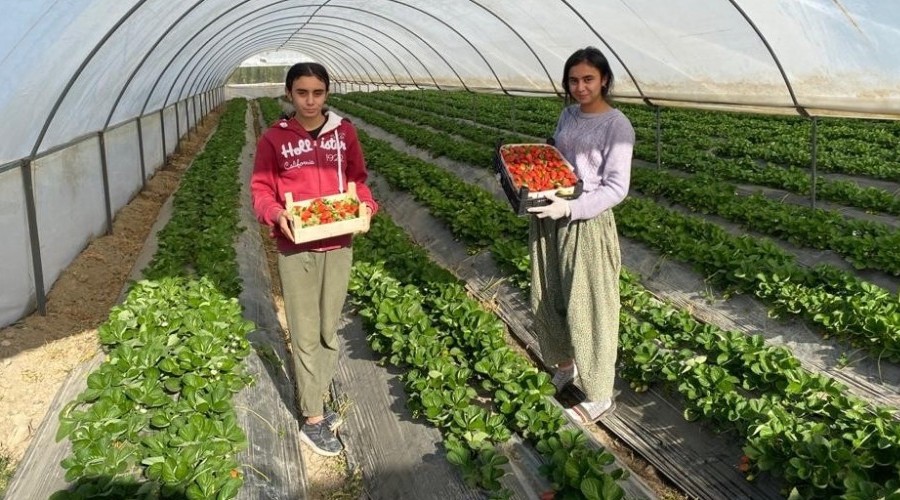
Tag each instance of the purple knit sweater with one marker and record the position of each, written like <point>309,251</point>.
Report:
<point>599,146</point>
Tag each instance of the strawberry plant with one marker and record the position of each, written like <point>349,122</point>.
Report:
<point>570,470</point>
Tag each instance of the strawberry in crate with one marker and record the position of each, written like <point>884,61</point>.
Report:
<point>531,172</point>
<point>537,167</point>
<point>325,211</point>
<point>323,217</point>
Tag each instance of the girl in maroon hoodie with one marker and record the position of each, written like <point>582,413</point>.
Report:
<point>311,154</point>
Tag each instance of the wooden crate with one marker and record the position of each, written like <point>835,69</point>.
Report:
<point>522,199</point>
<point>359,224</point>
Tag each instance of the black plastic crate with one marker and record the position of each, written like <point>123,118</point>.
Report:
<point>522,199</point>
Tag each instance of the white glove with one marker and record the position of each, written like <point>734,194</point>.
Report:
<point>558,209</point>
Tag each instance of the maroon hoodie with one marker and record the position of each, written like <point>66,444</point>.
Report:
<point>289,160</point>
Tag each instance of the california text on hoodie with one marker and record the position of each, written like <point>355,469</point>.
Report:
<point>289,160</point>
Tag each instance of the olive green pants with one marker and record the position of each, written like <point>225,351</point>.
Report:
<point>314,285</point>
<point>575,296</point>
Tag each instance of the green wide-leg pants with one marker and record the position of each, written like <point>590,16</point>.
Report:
<point>314,285</point>
<point>575,296</point>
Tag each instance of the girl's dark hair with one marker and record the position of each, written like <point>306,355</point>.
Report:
<point>595,58</point>
<point>306,69</point>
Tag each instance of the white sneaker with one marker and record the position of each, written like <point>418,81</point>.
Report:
<point>588,412</point>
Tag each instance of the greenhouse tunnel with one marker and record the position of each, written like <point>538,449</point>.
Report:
<point>96,95</point>
<point>748,306</point>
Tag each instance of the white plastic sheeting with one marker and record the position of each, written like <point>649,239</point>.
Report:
<point>17,293</point>
<point>73,68</point>
<point>70,203</point>
<point>77,66</point>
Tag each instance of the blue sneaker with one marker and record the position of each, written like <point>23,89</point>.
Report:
<point>321,439</point>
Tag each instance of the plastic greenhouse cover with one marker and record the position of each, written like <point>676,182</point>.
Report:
<point>75,67</point>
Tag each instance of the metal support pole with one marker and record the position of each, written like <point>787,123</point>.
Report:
<point>33,234</point>
<point>162,127</point>
<point>814,153</point>
<point>187,119</point>
<point>196,115</point>
<point>140,132</point>
<point>177,128</point>
<point>104,171</point>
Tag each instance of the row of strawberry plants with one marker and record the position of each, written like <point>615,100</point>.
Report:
<point>156,419</point>
<point>792,179</point>
<point>867,245</point>
<point>687,145</point>
<point>715,371</point>
<point>421,317</point>
<point>853,310</point>
<point>436,142</point>
<point>801,426</point>
<point>849,146</point>
<point>425,110</point>
<point>270,109</point>
<point>842,305</point>
<point>435,120</point>
<point>506,113</point>
<point>844,146</point>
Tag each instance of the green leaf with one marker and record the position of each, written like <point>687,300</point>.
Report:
<point>591,488</point>
<point>153,460</point>
<point>611,489</point>
<point>568,439</point>
<point>173,384</point>
<point>230,489</point>
<point>457,457</point>
<point>193,492</point>
<point>193,380</point>
<point>74,473</point>
<point>66,426</point>
<point>169,473</point>
<point>573,471</point>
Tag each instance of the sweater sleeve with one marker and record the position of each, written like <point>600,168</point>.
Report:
<point>263,184</point>
<point>616,175</point>
<point>356,169</point>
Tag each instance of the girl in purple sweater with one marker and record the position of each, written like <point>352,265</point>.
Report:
<point>574,244</point>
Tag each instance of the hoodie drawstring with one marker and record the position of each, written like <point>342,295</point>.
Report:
<point>337,143</point>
